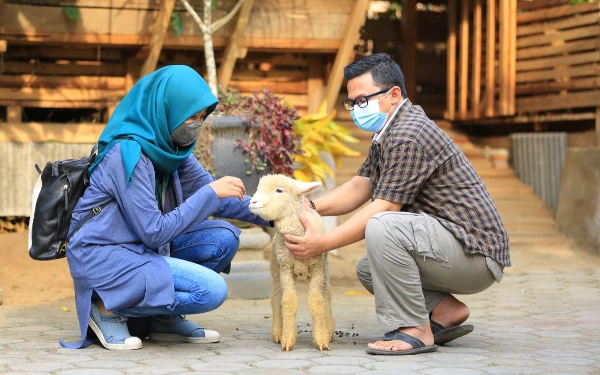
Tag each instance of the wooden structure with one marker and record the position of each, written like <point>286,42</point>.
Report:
<point>54,62</point>
<point>511,62</point>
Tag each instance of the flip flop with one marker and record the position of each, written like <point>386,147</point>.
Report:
<point>418,345</point>
<point>443,335</point>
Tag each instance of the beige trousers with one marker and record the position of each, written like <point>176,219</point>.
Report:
<point>412,264</point>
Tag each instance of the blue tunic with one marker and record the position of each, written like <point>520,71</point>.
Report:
<point>114,252</point>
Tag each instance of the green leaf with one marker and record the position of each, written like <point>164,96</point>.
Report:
<point>248,172</point>
<point>213,4</point>
<point>72,13</point>
<point>177,23</point>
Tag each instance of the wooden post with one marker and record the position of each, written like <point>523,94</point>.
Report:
<point>130,74</point>
<point>315,82</point>
<point>351,36</point>
<point>476,78</point>
<point>464,59</point>
<point>512,85</point>
<point>598,126</point>
<point>233,50</point>
<point>159,31</point>
<point>451,62</point>
<point>504,56</point>
<point>14,114</point>
<point>2,46</point>
<point>410,35</point>
<point>490,58</point>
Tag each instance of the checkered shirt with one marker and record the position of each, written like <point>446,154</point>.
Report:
<point>415,163</point>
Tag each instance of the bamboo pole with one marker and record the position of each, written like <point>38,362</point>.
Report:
<point>504,56</point>
<point>451,62</point>
<point>476,77</point>
<point>512,92</point>
<point>159,31</point>
<point>233,49</point>
<point>464,59</point>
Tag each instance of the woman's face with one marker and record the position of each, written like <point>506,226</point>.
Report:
<point>198,116</point>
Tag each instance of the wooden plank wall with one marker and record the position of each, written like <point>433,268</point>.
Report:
<point>481,69</point>
<point>558,57</point>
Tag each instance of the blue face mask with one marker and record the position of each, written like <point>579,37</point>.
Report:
<point>370,117</point>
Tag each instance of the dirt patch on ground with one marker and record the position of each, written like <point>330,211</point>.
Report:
<point>29,282</point>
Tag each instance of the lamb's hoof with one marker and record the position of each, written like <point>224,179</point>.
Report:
<point>287,345</point>
<point>276,340</point>
<point>323,347</point>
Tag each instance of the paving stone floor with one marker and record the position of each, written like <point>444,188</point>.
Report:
<point>542,322</point>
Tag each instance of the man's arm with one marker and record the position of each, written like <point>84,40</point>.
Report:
<point>313,243</point>
<point>345,198</point>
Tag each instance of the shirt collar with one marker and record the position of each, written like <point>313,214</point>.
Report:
<point>376,136</point>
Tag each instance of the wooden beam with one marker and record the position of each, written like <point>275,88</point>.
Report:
<point>476,63</point>
<point>571,34</point>
<point>81,82</point>
<point>584,45</point>
<point>157,38</point>
<point>559,72</point>
<point>547,87</point>
<point>512,93</point>
<point>64,95</point>
<point>490,59</point>
<point>14,114</point>
<point>233,49</point>
<point>464,59</point>
<point>409,50</point>
<point>451,62</point>
<point>551,62</point>
<point>173,42</point>
<point>549,13</point>
<point>580,99</point>
<point>540,28</point>
<point>351,36</point>
<point>315,82</point>
<point>504,58</point>
<point>38,132</point>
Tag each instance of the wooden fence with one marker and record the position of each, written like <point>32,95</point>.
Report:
<point>481,51</point>
<point>558,58</point>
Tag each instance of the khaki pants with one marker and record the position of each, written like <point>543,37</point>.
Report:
<point>412,264</point>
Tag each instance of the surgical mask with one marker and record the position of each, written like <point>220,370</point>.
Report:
<point>186,133</point>
<point>370,117</point>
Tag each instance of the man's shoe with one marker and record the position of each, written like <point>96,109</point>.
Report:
<point>178,329</point>
<point>112,331</point>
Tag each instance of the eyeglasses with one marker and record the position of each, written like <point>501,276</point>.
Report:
<point>361,101</point>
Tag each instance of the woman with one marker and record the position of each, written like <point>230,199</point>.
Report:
<point>151,250</point>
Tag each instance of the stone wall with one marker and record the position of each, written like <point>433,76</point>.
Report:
<point>578,213</point>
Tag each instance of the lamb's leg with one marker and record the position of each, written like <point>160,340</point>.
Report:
<point>327,297</point>
<point>289,306</point>
<point>318,309</point>
<point>276,299</point>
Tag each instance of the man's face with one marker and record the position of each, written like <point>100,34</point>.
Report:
<point>363,85</point>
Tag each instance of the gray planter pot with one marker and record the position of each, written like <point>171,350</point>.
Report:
<point>227,160</point>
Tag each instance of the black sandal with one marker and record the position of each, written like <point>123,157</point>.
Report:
<point>418,345</point>
<point>443,335</point>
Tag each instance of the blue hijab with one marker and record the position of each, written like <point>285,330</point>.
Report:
<point>158,104</point>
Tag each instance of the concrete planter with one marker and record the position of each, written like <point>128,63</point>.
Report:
<point>227,160</point>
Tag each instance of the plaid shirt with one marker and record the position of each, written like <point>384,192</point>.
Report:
<point>415,163</point>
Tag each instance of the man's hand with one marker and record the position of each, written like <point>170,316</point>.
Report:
<point>307,246</point>
<point>229,187</point>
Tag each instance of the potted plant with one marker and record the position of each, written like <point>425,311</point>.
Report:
<point>249,136</point>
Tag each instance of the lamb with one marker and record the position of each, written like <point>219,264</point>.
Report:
<point>280,198</point>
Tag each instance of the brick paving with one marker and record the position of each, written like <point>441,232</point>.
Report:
<point>535,322</point>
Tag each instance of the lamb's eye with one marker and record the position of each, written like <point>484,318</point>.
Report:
<point>279,190</point>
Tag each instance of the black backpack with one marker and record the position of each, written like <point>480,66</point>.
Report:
<point>62,184</point>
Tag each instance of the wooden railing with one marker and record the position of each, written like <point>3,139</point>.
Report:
<point>558,58</point>
<point>482,78</point>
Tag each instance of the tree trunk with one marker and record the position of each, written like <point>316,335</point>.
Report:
<point>209,52</point>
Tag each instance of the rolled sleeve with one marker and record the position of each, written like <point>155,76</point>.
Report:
<point>404,169</point>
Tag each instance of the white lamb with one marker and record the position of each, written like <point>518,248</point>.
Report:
<point>280,198</point>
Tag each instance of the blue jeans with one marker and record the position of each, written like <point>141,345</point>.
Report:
<point>196,260</point>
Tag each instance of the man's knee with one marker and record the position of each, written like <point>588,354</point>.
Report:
<point>364,274</point>
<point>387,230</point>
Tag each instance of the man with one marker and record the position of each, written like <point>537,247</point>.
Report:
<point>431,228</point>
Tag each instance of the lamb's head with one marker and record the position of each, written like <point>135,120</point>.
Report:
<point>278,196</point>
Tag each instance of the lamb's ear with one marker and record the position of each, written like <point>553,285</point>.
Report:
<point>307,187</point>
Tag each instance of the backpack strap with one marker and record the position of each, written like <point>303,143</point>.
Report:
<point>95,211</point>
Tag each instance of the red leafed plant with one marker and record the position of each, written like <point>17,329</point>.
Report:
<point>271,144</point>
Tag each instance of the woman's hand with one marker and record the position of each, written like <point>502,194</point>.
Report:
<point>227,186</point>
